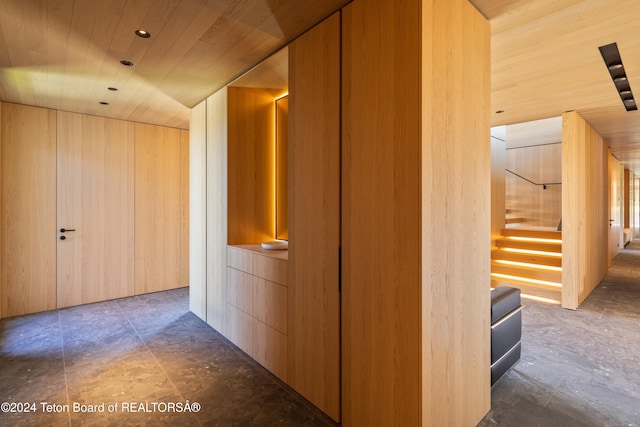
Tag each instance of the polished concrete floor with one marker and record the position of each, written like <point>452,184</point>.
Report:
<point>140,355</point>
<point>578,368</point>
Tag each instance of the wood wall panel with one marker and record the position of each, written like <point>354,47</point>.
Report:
<point>251,164</point>
<point>184,205</point>
<point>541,164</point>
<point>381,296</point>
<point>498,189</point>
<point>585,221</point>
<point>96,197</point>
<point>158,210</point>
<point>455,223</point>
<point>198,210</point>
<point>28,209</point>
<point>216,209</point>
<point>314,215</point>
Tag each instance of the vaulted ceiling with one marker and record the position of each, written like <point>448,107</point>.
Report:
<point>65,54</point>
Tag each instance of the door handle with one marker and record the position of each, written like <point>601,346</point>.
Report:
<point>64,230</point>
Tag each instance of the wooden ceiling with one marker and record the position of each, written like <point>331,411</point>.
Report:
<point>545,61</point>
<point>64,54</point>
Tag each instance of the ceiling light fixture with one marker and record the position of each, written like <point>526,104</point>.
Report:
<point>104,103</point>
<point>613,61</point>
<point>142,33</point>
<point>499,111</point>
<point>113,89</point>
<point>126,63</point>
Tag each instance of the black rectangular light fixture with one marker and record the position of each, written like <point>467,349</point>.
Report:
<point>611,56</point>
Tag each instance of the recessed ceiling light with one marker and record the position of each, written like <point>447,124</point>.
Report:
<point>126,63</point>
<point>613,61</point>
<point>112,89</point>
<point>142,33</point>
<point>104,103</point>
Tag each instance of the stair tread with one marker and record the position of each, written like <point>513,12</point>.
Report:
<point>527,283</point>
<point>526,272</point>
<point>529,245</point>
<point>549,260</point>
<point>532,233</point>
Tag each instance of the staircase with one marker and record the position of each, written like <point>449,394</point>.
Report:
<point>514,218</point>
<point>529,259</point>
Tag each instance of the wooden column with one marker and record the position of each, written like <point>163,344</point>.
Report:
<point>456,206</point>
<point>416,213</point>
<point>585,219</point>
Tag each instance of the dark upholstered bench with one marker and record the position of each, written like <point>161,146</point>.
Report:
<point>506,330</point>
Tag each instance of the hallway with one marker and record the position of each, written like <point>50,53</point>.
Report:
<point>142,354</point>
<point>578,368</point>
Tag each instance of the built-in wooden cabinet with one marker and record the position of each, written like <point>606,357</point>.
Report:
<point>388,261</point>
<point>117,188</point>
<point>281,307</point>
<point>257,305</point>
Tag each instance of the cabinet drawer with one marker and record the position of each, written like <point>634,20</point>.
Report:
<point>240,289</point>
<point>272,269</point>
<point>271,349</point>
<point>240,259</point>
<point>240,329</point>
<point>270,304</point>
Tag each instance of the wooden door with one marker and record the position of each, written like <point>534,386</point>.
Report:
<point>615,207</point>
<point>28,210</point>
<point>96,200</point>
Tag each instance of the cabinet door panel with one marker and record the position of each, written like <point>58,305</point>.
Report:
<point>314,215</point>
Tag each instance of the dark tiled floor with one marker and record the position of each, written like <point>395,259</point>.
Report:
<point>148,348</point>
<point>578,368</point>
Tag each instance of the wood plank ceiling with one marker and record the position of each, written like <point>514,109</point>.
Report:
<point>64,54</point>
<point>545,60</point>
